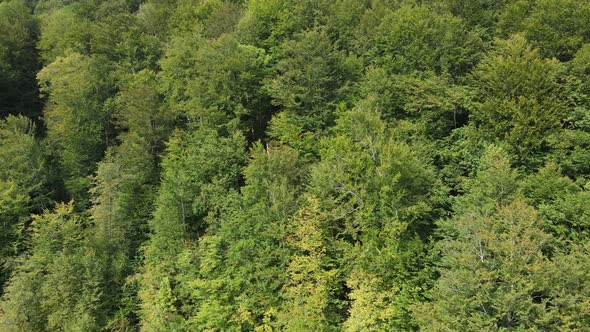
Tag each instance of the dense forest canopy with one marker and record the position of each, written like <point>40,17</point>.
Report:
<point>303,165</point>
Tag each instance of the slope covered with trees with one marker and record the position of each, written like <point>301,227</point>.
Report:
<point>305,165</point>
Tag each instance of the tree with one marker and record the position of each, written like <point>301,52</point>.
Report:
<point>434,104</point>
<point>268,24</point>
<point>242,259</point>
<point>310,78</point>
<point>343,22</point>
<point>557,28</point>
<point>216,83</point>
<point>215,17</point>
<point>120,35</point>
<point>56,284</point>
<point>567,288</point>
<point>417,38</point>
<point>200,167</point>
<point>228,87</point>
<point>491,276</point>
<point>479,13</point>
<point>18,62</point>
<point>374,192</point>
<point>138,114</point>
<point>560,202</point>
<point>519,98</point>
<point>308,303</point>
<point>78,123</point>
<point>494,259</point>
<point>123,196</point>
<point>570,146</point>
<point>23,178</point>
<point>23,158</point>
<point>63,31</point>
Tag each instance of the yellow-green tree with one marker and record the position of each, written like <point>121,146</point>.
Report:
<point>309,291</point>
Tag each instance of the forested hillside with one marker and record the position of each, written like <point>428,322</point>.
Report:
<point>301,165</point>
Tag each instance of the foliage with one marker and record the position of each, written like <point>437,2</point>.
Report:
<point>304,165</point>
<point>18,60</point>
<point>77,94</point>
<point>519,98</point>
<point>417,38</point>
<point>22,185</point>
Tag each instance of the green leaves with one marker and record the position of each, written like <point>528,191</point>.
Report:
<point>306,165</point>
<point>63,31</point>
<point>492,257</point>
<point>77,121</point>
<point>416,38</point>
<point>310,77</point>
<point>58,277</point>
<point>216,83</point>
<point>557,28</point>
<point>18,63</point>
<point>200,167</point>
<point>374,192</point>
<point>23,181</point>
<point>520,99</point>
<point>498,259</point>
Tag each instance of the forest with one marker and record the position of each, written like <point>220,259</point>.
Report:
<point>301,165</point>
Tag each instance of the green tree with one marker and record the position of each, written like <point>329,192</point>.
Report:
<point>417,38</point>
<point>216,17</point>
<point>227,86</point>
<point>23,158</point>
<point>18,60</point>
<point>519,99</point>
<point>55,286</point>
<point>138,114</point>
<point>561,203</point>
<point>311,78</point>
<point>558,28</point>
<point>124,193</point>
<point>23,180</point>
<point>78,123</point>
<point>268,24</point>
<point>216,83</point>
<point>376,195</point>
<point>493,265</point>
<point>120,35</point>
<point>567,288</point>
<point>200,167</point>
<point>62,31</point>
<point>243,259</point>
<point>123,197</point>
<point>570,146</point>
<point>491,275</point>
<point>434,104</point>
<point>479,13</point>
